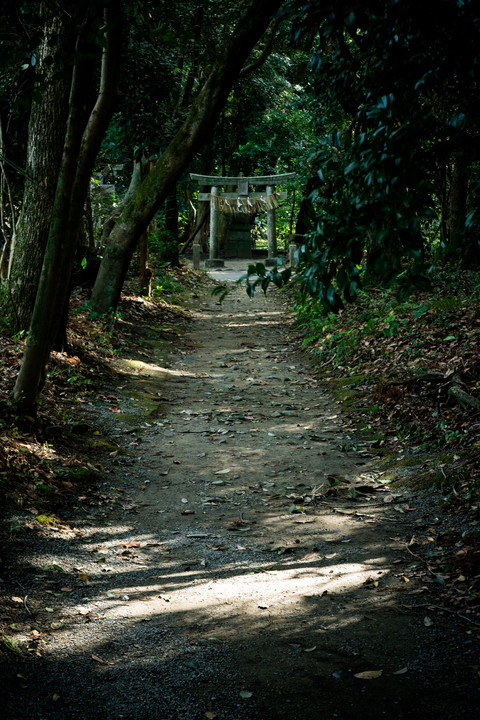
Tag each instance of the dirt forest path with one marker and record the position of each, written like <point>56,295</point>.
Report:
<point>256,567</point>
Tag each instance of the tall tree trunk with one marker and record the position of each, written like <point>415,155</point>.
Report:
<point>203,114</point>
<point>82,142</point>
<point>171,229</point>
<point>46,133</point>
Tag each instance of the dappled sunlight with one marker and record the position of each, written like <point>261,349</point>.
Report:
<point>140,367</point>
<point>249,323</point>
<point>281,584</point>
<point>241,596</point>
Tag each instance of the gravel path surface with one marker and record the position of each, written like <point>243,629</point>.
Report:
<point>252,567</point>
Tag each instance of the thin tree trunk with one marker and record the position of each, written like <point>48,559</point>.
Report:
<point>171,229</point>
<point>144,271</point>
<point>82,142</point>
<point>204,113</point>
<point>200,222</point>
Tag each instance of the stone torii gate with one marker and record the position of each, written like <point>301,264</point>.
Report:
<point>242,201</point>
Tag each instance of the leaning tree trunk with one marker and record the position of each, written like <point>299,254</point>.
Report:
<point>204,112</point>
<point>46,133</point>
<point>82,143</point>
<point>140,168</point>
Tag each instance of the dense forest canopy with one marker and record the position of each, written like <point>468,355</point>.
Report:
<point>106,107</point>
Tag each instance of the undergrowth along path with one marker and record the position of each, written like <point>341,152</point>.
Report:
<point>252,566</point>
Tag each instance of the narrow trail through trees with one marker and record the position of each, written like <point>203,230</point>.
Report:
<point>254,565</point>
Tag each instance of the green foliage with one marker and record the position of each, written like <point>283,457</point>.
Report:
<point>395,96</point>
<point>258,276</point>
<point>166,284</point>
<point>161,245</point>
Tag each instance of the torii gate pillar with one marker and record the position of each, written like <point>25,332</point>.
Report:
<point>213,259</point>
<point>271,232</point>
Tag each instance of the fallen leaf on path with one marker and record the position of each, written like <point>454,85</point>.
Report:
<point>369,674</point>
<point>101,660</point>
<point>223,472</point>
<point>402,671</point>
<point>310,649</point>
<point>245,694</point>
<point>130,544</point>
<point>427,621</point>
<point>210,715</point>
<point>17,599</point>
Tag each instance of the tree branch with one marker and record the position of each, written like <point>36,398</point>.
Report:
<point>266,50</point>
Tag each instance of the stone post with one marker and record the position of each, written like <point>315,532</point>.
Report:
<point>292,248</point>
<point>213,260</point>
<point>271,232</point>
<point>196,256</point>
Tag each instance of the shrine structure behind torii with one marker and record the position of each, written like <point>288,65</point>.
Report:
<point>242,201</point>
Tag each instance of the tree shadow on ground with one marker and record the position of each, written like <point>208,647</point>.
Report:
<point>127,642</point>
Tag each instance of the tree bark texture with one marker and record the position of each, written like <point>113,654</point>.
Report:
<point>204,113</point>
<point>82,142</point>
<point>46,133</point>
